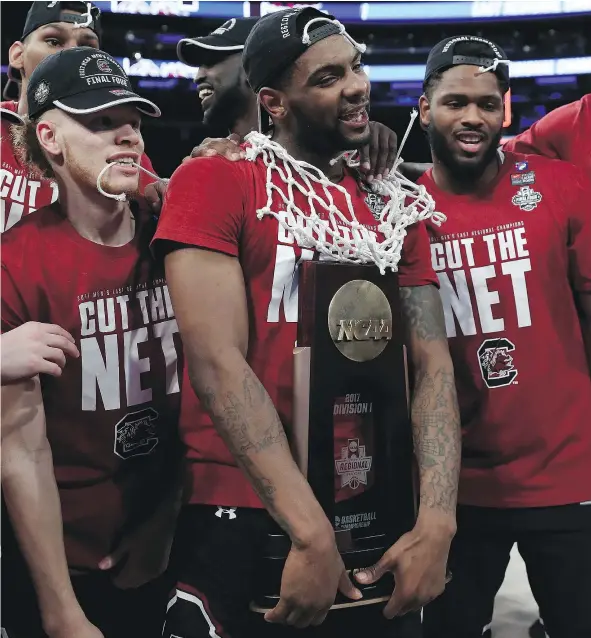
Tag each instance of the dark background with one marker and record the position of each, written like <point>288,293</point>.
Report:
<point>169,139</point>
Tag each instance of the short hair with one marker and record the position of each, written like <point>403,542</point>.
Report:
<point>471,49</point>
<point>28,149</point>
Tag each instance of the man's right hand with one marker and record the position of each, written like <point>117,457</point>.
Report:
<point>228,147</point>
<point>35,348</point>
<point>311,577</point>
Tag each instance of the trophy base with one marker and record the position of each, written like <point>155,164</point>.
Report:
<point>272,602</point>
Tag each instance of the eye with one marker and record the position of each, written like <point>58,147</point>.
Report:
<point>53,42</point>
<point>327,80</point>
<point>489,106</point>
<point>454,104</point>
<point>358,67</point>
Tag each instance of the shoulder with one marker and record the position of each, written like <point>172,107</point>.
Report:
<point>30,237</point>
<point>546,167</point>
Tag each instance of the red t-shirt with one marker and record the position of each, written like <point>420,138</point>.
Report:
<point>508,262</point>
<point>212,203</point>
<point>112,416</point>
<point>21,192</point>
<point>565,133</point>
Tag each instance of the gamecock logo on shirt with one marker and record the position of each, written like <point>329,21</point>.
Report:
<point>496,362</point>
<point>135,434</point>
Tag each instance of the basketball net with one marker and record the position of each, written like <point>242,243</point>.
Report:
<point>336,234</point>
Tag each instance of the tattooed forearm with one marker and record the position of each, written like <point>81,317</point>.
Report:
<point>436,434</point>
<point>435,413</point>
<point>423,313</point>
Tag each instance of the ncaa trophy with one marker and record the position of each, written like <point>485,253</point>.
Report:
<point>351,433</point>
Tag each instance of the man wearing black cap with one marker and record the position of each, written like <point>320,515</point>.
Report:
<point>514,264</point>
<point>229,104</point>
<point>99,439</point>
<point>231,263</point>
<point>227,100</point>
<point>49,27</point>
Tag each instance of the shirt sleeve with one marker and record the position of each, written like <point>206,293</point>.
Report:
<point>415,267</point>
<point>204,206</point>
<point>551,136</point>
<point>579,234</point>
<point>14,308</point>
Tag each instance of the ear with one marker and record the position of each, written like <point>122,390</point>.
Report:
<point>16,55</point>
<point>273,102</point>
<point>47,137</point>
<point>424,111</point>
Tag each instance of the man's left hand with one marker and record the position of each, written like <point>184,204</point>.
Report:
<point>154,194</point>
<point>377,158</point>
<point>418,561</point>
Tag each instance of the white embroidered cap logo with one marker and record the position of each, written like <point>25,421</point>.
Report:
<point>42,92</point>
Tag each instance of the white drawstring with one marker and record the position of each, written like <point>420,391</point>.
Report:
<point>306,36</point>
<point>492,67</point>
<point>122,196</point>
<point>87,15</point>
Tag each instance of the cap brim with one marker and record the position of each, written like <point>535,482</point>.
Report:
<point>193,51</point>
<point>101,99</point>
<point>11,116</point>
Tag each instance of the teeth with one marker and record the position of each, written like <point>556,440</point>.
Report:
<point>203,93</point>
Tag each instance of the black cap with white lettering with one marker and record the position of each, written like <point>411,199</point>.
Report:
<point>278,39</point>
<point>82,80</point>
<point>468,49</point>
<point>42,13</point>
<point>226,40</point>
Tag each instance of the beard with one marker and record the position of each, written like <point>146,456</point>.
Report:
<point>318,138</point>
<point>229,106</point>
<point>462,171</point>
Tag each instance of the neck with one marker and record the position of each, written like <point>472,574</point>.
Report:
<point>23,107</point>
<point>95,217</point>
<point>246,123</point>
<point>319,160</point>
<point>448,182</point>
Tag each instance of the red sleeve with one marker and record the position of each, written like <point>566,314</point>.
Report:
<point>146,179</point>
<point>579,233</point>
<point>415,267</point>
<point>14,307</point>
<point>552,136</point>
<point>204,205</point>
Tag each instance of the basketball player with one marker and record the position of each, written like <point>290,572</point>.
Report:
<point>230,106</point>
<point>513,262</point>
<point>235,295</point>
<point>49,27</point>
<point>110,419</point>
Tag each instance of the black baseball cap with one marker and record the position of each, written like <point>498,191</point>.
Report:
<point>468,49</point>
<point>227,39</point>
<point>10,116</point>
<point>278,39</point>
<point>82,80</point>
<point>42,13</point>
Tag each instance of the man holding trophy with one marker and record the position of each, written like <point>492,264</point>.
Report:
<point>287,246</point>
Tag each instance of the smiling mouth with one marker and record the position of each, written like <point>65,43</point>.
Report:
<point>470,142</point>
<point>355,117</point>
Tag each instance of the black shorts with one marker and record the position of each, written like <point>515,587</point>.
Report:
<point>129,613</point>
<point>555,543</point>
<point>215,555</point>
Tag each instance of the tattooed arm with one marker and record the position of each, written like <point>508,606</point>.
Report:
<point>434,407</point>
<point>418,559</point>
<point>210,302</point>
